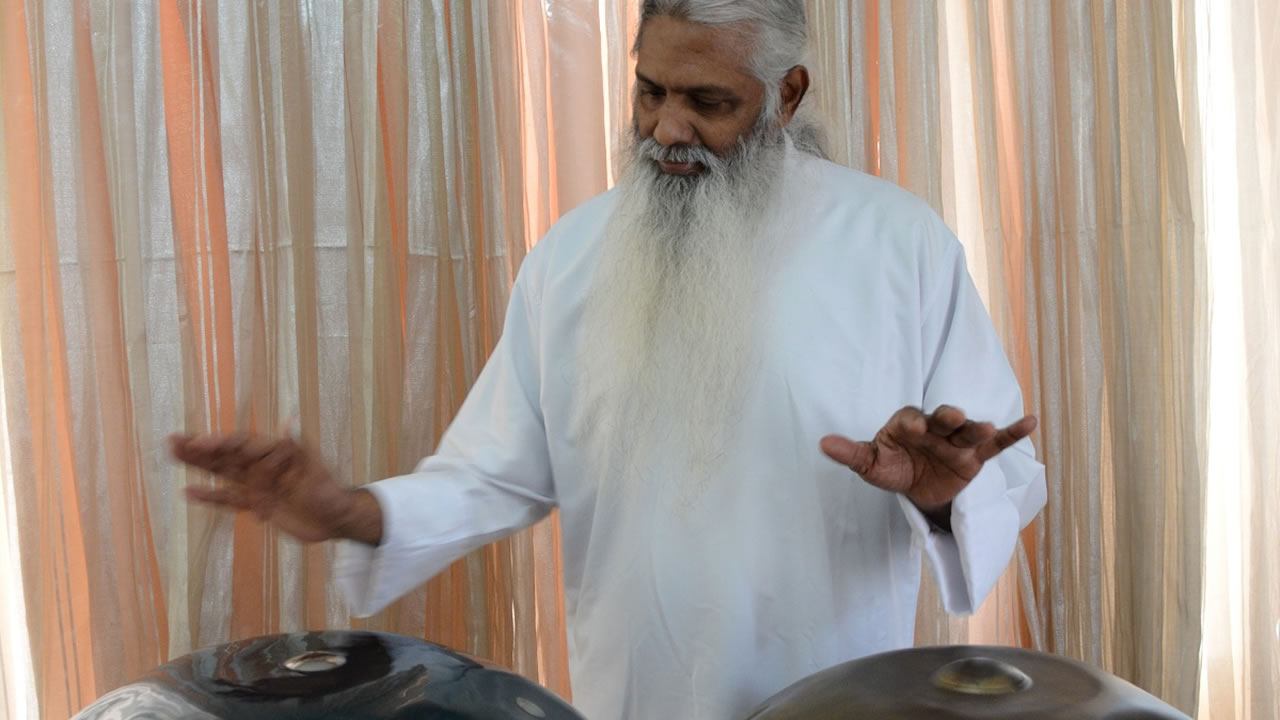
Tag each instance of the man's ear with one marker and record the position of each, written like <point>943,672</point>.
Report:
<point>794,87</point>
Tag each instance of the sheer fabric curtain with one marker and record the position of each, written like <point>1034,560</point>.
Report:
<point>1048,136</point>
<point>1229,72</point>
<point>224,216</point>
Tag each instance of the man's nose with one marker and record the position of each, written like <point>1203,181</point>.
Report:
<point>673,128</point>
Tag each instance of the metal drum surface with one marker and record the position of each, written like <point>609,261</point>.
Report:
<point>338,674</point>
<point>964,683</point>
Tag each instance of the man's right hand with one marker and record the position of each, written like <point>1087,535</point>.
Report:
<point>282,482</point>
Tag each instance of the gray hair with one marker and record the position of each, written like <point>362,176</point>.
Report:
<point>781,34</point>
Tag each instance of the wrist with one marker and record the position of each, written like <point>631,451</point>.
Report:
<point>939,516</point>
<point>361,519</point>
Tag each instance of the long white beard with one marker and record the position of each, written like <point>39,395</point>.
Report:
<point>673,323</point>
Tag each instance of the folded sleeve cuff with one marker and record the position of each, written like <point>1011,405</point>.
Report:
<point>985,521</point>
<point>943,553</point>
<point>354,569</point>
<point>426,526</point>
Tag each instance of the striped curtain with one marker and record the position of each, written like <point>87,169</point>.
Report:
<point>234,215</point>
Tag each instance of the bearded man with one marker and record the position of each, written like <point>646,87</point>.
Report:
<point>684,361</point>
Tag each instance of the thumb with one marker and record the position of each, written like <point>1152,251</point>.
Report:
<point>859,457</point>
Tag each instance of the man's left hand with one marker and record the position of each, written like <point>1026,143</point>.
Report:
<point>928,458</point>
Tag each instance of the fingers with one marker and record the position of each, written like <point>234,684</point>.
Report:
<point>256,467</point>
<point>950,423</point>
<point>230,497</point>
<point>859,457</point>
<point>946,420</point>
<point>225,455</point>
<point>972,435</point>
<point>1007,437</point>
<point>207,452</point>
<point>260,470</point>
<point>908,421</point>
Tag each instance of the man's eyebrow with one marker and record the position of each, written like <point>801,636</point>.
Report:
<point>692,90</point>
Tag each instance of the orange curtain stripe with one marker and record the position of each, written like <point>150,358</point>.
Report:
<point>394,127</point>
<point>199,222</point>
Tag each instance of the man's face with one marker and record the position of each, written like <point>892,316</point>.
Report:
<point>694,88</point>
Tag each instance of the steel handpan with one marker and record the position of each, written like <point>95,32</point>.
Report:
<point>963,683</point>
<point>305,676</point>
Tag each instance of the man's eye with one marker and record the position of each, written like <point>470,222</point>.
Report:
<point>707,103</point>
<point>650,92</point>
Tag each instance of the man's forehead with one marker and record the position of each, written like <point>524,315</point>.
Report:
<point>704,88</point>
<point>687,56</point>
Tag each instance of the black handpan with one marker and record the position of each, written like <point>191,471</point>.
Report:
<point>337,674</point>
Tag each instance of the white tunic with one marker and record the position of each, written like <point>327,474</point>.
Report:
<point>793,563</point>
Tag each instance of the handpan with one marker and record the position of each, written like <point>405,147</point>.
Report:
<point>304,676</point>
<point>963,683</point>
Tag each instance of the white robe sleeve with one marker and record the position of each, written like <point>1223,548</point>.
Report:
<point>967,368</point>
<point>489,478</point>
